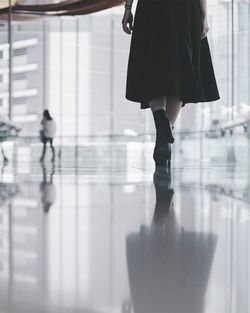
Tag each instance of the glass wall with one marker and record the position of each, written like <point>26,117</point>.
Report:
<point>76,67</point>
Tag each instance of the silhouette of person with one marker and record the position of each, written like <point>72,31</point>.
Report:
<point>168,267</point>
<point>47,134</point>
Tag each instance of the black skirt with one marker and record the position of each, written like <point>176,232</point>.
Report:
<point>167,55</point>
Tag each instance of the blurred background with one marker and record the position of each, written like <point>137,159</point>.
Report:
<point>75,66</point>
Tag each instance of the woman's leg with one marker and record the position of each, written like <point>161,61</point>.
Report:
<point>44,151</point>
<point>158,103</point>
<point>53,150</point>
<point>173,106</point>
<point>162,149</point>
<point>158,108</point>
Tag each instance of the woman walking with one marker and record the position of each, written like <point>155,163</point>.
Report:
<point>47,134</point>
<point>169,63</point>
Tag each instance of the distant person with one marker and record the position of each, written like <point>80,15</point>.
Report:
<point>47,134</point>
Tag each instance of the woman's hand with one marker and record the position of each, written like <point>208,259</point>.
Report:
<point>205,27</point>
<point>127,21</point>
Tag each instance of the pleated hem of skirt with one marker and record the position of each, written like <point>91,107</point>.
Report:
<point>144,104</point>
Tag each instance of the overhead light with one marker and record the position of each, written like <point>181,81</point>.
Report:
<point>129,132</point>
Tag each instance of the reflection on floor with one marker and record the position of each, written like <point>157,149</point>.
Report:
<point>124,240</point>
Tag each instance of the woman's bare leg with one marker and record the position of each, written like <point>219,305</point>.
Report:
<point>173,106</point>
<point>44,152</point>
<point>162,149</point>
<point>157,104</point>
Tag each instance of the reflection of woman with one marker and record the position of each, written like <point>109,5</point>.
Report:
<point>48,190</point>
<point>48,133</point>
<point>168,267</point>
<point>169,62</point>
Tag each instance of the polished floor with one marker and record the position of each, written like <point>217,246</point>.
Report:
<point>124,238</point>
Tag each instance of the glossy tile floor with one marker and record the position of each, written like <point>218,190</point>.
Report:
<point>124,238</point>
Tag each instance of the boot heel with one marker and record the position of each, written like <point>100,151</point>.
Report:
<point>162,155</point>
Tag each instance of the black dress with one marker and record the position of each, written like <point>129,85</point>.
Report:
<point>167,55</point>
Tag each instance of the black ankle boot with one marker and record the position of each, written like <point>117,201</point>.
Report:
<point>163,124</point>
<point>162,155</point>
<point>162,150</point>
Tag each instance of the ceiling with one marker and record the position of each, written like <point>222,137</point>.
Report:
<point>24,9</point>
